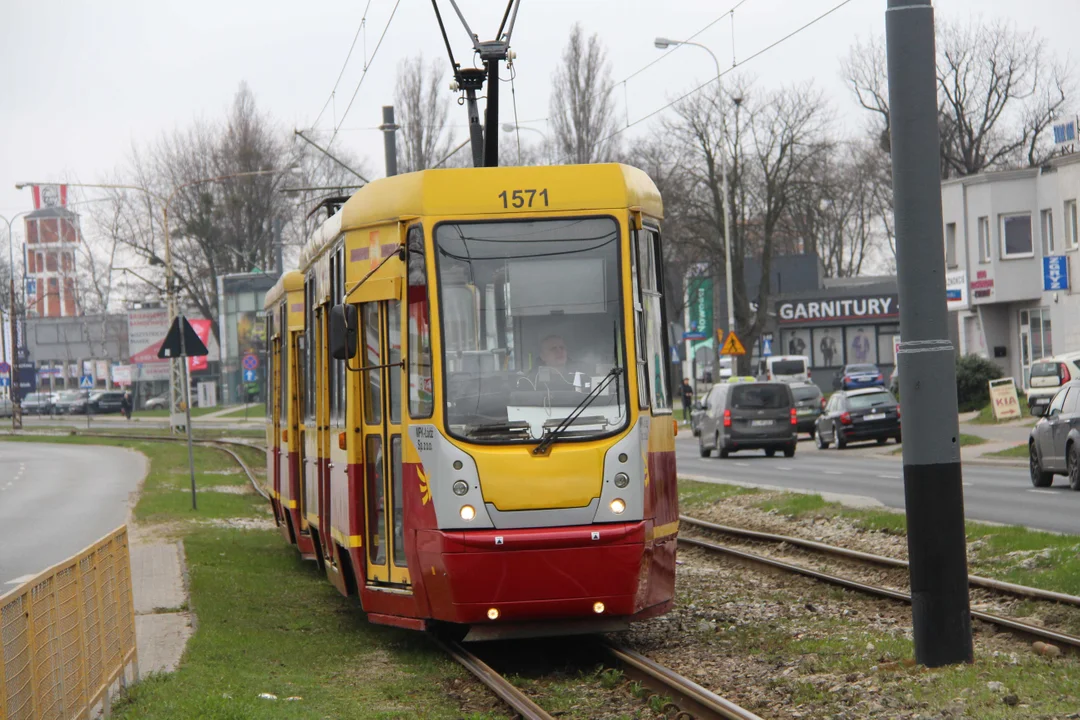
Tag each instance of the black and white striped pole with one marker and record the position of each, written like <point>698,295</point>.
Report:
<point>933,492</point>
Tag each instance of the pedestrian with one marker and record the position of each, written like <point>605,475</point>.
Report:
<point>125,404</point>
<point>687,398</point>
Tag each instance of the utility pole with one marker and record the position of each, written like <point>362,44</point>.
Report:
<point>933,492</point>
<point>389,128</point>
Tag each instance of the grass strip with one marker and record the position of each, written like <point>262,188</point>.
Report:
<point>1016,451</point>
<point>986,415</point>
<point>1006,552</point>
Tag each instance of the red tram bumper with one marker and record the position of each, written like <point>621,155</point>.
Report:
<point>546,574</point>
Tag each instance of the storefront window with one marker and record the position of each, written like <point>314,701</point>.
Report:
<point>860,345</point>
<point>828,344</point>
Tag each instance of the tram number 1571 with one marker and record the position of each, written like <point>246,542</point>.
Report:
<point>523,198</point>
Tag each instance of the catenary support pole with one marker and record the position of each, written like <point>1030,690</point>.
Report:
<point>389,139</point>
<point>491,116</point>
<point>933,492</point>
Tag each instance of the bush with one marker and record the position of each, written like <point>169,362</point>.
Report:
<point>972,375</point>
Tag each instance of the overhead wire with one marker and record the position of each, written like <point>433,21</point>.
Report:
<point>735,65</point>
<point>359,29</point>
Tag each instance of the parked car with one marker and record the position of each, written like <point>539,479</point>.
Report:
<point>160,402</point>
<point>1046,378</point>
<point>696,413</point>
<point>6,408</point>
<point>852,377</point>
<point>748,416</point>
<point>894,381</point>
<point>809,403</point>
<point>37,403</point>
<point>784,368</point>
<point>98,402</point>
<point>854,415</point>
<point>1054,444</point>
<point>65,399</point>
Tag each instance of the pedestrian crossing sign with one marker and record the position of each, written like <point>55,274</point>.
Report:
<point>86,382</point>
<point>732,346</point>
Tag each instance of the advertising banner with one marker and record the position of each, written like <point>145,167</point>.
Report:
<point>146,331</point>
<point>699,308</point>
<point>121,374</point>
<point>956,290</point>
<point>1055,273</point>
<point>1003,397</point>
<point>202,329</point>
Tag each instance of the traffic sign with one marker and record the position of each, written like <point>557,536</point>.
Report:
<point>249,375</point>
<point>86,382</point>
<point>193,344</point>
<point>251,362</point>
<point>732,346</point>
<point>5,368</point>
<point>766,346</point>
<point>31,286</point>
<point>5,381</point>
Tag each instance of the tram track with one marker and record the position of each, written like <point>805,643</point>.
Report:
<point>1011,624</point>
<point>690,700</point>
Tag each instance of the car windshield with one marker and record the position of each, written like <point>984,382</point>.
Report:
<point>789,367</point>
<point>806,393</point>
<point>869,400</point>
<point>1042,369</point>
<point>532,321</point>
<point>759,396</point>
<point>862,369</point>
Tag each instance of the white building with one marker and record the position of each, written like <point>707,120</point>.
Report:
<point>1010,238</point>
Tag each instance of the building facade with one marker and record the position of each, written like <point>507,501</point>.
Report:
<point>52,242</point>
<point>1011,255</point>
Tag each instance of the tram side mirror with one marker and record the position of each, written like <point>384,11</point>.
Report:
<point>343,332</point>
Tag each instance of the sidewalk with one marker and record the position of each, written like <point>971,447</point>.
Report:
<point>163,622</point>
<point>1000,436</point>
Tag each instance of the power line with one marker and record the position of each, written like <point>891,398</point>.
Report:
<point>762,51</point>
<point>367,66</point>
<point>363,22</point>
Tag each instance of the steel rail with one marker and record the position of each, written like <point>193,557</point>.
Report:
<point>687,694</point>
<point>973,580</point>
<point>1033,630</point>
<point>518,701</point>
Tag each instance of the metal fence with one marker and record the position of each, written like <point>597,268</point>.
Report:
<point>68,635</point>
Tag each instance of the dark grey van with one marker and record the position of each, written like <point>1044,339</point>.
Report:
<point>749,416</point>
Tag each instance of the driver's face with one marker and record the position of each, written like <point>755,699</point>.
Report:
<point>553,352</point>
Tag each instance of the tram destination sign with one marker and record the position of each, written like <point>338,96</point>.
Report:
<point>839,309</point>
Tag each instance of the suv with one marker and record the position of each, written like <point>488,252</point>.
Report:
<point>1054,446</point>
<point>101,401</point>
<point>748,416</point>
<point>1046,378</point>
<point>38,403</point>
<point>809,403</point>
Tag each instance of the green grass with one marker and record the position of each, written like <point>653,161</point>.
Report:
<point>986,415</point>
<point>1040,559</point>
<point>269,623</point>
<point>255,412</point>
<point>1016,451</point>
<point>968,440</point>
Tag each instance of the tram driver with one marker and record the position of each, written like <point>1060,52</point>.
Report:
<point>555,367</point>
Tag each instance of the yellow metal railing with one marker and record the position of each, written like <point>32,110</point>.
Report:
<point>68,635</point>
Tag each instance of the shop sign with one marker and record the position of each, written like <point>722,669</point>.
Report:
<point>874,307</point>
<point>1055,273</point>
<point>956,290</point>
<point>982,287</point>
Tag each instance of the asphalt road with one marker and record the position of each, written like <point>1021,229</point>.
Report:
<point>997,494</point>
<point>57,499</point>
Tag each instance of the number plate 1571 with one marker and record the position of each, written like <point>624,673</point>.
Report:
<point>524,198</point>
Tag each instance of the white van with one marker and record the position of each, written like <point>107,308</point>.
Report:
<point>784,368</point>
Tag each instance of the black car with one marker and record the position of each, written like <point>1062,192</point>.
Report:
<point>809,403</point>
<point>854,415</point>
<point>1054,446</point>
<point>100,401</point>
<point>748,416</point>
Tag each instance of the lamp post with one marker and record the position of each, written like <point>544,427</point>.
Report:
<point>662,44</point>
<point>176,368</point>
<point>511,127</point>
<point>16,399</point>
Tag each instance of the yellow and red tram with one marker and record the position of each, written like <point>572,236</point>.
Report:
<point>471,406</point>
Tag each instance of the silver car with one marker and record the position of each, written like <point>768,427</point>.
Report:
<point>5,407</point>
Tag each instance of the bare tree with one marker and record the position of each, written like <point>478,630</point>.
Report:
<point>582,106</point>
<point>423,114</point>
<point>998,91</point>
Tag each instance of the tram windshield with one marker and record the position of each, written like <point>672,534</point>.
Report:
<point>531,325</point>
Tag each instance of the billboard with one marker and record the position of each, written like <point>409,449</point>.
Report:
<point>699,308</point>
<point>146,332</point>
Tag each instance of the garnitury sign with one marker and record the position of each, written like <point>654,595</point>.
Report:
<point>843,309</point>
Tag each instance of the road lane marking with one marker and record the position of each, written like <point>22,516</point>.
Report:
<point>1044,492</point>
<point>890,477</point>
<point>742,464</point>
<point>783,467</point>
<point>967,484</point>
<point>833,472</point>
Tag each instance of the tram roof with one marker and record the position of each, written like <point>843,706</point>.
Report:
<point>289,282</point>
<point>462,192</point>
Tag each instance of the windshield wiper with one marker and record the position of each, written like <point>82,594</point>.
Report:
<point>554,435</point>
<point>512,427</point>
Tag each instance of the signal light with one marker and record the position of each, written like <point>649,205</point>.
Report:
<point>1065,376</point>
<point>727,418</point>
<point>284,436</point>
<point>341,441</point>
<point>621,480</point>
<point>493,613</point>
<point>845,418</point>
<point>794,417</point>
<point>598,607</point>
<point>617,506</point>
<point>467,512</point>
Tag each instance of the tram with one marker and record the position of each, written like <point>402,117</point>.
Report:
<point>470,418</point>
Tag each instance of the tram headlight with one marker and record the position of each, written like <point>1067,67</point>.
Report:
<point>598,607</point>
<point>621,480</point>
<point>468,512</point>
<point>460,487</point>
<point>617,506</point>
<point>493,613</point>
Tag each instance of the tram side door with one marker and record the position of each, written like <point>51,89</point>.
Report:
<point>380,390</point>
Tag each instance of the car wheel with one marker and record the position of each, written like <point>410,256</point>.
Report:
<point>898,439</point>
<point>1038,477</point>
<point>841,443</point>
<point>769,452</point>
<point>705,452</point>
<point>789,451</point>
<point>882,441</point>
<point>1073,464</point>
<point>821,442</point>
<point>813,432</point>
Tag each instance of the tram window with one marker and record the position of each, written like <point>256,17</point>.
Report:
<point>399,507</point>
<point>532,319</point>
<point>310,351</point>
<point>421,402</point>
<point>283,371</point>
<point>393,316</point>
<point>369,332</point>
<point>301,379</point>
<point>373,460</point>
<point>655,328</point>
<point>639,324</point>
<point>272,343</point>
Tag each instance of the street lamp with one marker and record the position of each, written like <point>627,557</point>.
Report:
<point>663,43</point>
<point>511,127</point>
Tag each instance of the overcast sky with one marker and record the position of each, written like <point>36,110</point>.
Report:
<point>82,82</point>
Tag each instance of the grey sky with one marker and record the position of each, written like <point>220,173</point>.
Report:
<point>81,82</point>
